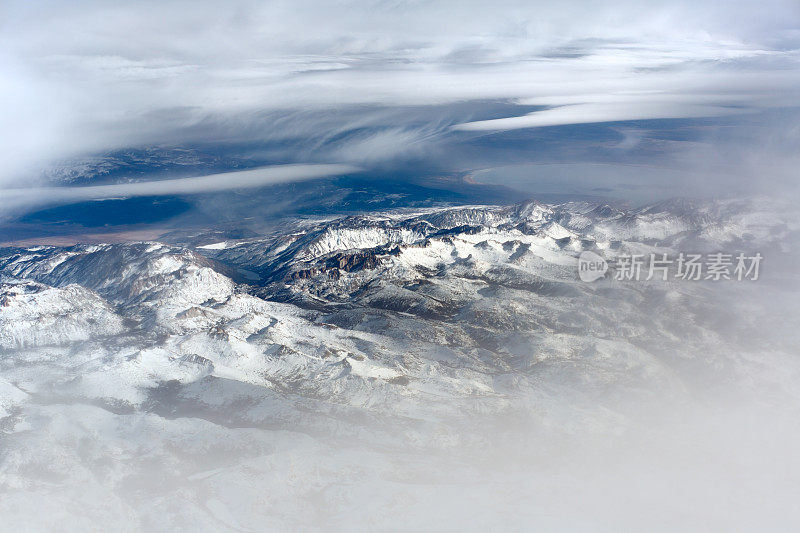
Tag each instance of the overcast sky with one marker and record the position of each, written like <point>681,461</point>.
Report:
<point>88,77</point>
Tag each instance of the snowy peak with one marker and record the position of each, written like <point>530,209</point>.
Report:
<point>34,314</point>
<point>124,273</point>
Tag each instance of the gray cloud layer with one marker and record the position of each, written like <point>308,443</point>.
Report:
<point>86,77</point>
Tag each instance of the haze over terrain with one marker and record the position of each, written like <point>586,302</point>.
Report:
<point>315,266</point>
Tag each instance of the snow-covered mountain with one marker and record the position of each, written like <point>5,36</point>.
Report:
<point>403,334</point>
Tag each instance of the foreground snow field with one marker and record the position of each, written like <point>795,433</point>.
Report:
<point>441,370</point>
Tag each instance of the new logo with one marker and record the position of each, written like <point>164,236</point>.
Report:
<point>591,266</point>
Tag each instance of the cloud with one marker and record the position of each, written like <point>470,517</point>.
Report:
<point>592,113</point>
<point>150,73</point>
<point>259,177</point>
<point>383,145</point>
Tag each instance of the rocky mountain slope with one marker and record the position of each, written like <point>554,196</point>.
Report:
<point>397,332</point>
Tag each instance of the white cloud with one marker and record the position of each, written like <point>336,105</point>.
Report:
<point>259,177</point>
<point>85,77</point>
<point>592,113</point>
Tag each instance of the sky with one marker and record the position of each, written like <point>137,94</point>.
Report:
<point>376,83</point>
